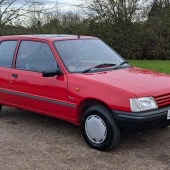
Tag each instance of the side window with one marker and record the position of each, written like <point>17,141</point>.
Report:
<point>35,56</point>
<point>7,50</point>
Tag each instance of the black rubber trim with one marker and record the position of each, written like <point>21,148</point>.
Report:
<point>37,97</point>
<point>141,116</point>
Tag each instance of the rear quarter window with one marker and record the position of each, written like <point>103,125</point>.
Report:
<point>7,50</point>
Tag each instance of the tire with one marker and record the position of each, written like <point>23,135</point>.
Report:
<point>164,127</point>
<point>0,110</point>
<point>99,128</point>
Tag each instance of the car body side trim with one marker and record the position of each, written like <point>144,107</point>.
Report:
<point>37,97</point>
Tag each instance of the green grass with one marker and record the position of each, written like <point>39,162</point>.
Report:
<point>158,65</point>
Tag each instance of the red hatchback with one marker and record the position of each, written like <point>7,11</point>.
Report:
<point>82,80</point>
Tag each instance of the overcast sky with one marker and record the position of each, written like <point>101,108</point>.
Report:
<point>65,5</point>
<point>66,2</point>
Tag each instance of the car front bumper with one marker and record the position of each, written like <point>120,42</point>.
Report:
<point>131,121</point>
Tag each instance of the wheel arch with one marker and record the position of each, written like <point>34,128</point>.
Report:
<point>86,103</point>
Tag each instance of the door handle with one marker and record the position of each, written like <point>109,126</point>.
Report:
<point>15,75</point>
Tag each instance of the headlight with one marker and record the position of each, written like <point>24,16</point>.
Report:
<point>143,104</point>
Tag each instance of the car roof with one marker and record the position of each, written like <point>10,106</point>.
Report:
<point>50,37</point>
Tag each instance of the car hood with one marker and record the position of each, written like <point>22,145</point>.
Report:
<point>140,82</point>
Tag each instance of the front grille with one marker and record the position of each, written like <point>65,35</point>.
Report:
<point>163,100</point>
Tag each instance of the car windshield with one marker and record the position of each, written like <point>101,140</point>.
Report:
<point>87,54</point>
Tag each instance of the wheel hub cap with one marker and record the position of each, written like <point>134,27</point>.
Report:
<point>96,129</point>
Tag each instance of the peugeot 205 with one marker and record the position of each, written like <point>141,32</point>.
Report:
<point>82,80</point>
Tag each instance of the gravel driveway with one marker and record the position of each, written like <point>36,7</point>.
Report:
<point>32,141</point>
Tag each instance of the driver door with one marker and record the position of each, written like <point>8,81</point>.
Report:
<point>35,92</point>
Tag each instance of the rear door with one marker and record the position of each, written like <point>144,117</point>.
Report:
<point>7,50</point>
<point>32,91</point>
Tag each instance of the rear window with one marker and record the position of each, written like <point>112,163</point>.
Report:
<point>7,50</point>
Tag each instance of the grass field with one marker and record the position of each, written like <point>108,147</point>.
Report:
<point>158,65</point>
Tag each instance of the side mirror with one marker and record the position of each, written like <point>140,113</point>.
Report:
<point>51,73</point>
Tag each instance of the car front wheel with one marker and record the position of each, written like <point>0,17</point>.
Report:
<point>99,128</point>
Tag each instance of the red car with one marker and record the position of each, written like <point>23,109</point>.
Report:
<point>82,80</point>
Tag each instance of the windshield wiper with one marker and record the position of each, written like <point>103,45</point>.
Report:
<point>124,62</point>
<point>98,66</point>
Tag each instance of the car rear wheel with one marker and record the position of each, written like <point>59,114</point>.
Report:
<point>0,109</point>
<point>99,128</point>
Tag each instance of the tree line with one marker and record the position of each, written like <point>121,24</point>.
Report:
<point>137,29</point>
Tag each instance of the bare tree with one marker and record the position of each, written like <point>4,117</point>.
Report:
<point>117,10</point>
<point>10,10</point>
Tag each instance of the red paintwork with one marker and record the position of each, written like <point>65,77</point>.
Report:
<point>114,88</point>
